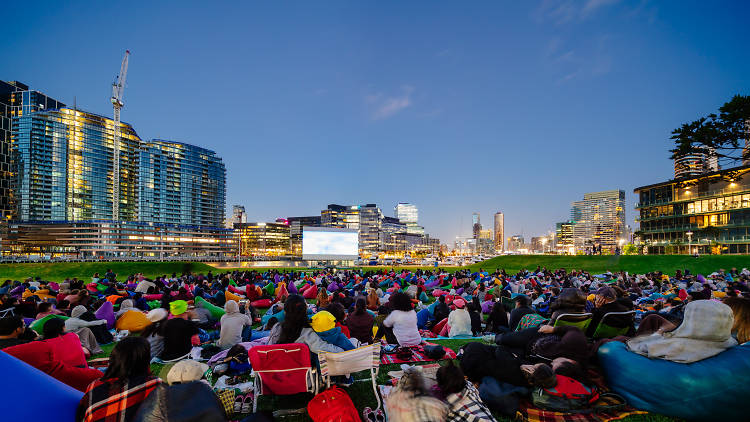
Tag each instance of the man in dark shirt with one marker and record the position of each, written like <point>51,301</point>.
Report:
<point>522,308</point>
<point>441,310</point>
<point>13,332</point>
<point>605,302</point>
<point>178,332</point>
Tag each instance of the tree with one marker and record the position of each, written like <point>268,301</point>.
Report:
<point>722,136</point>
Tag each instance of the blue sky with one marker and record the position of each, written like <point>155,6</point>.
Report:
<point>458,107</point>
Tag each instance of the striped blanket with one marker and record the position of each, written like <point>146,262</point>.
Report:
<point>417,355</point>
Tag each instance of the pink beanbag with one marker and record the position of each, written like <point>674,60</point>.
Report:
<point>310,293</point>
<point>261,303</point>
<point>154,296</point>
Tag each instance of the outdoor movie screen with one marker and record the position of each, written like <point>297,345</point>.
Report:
<point>326,243</point>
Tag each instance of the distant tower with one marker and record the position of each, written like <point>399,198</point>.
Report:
<point>499,231</point>
<point>476,225</point>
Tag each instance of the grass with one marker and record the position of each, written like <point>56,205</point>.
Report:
<point>59,271</point>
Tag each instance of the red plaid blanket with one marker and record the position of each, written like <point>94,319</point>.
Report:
<point>416,356</point>
<point>538,415</point>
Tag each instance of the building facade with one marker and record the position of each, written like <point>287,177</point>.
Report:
<point>263,239</point>
<point>564,238</point>
<point>476,225</point>
<point>238,216</point>
<point>296,226</point>
<point>181,184</point>
<point>409,214</point>
<point>370,218</point>
<point>695,164</point>
<point>708,213</point>
<point>63,161</point>
<point>516,243</point>
<point>340,216</point>
<point>499,232</point>
<point>599,221</point>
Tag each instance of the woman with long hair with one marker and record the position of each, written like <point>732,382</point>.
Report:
<point>400,326</point>
<point>360,322</point>
<point>741,311</point>
<point>118,394</point>
<point>296,328</point>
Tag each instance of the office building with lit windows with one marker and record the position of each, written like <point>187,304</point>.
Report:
<point>409,214</point>
<point>499,232</point>
<point>296,225</point>
<point>181,184</point>
<point>707,213</point>
<point>263,239</point>
<point>599,221</point>
<point>62,163</point>
<point>564,238</point>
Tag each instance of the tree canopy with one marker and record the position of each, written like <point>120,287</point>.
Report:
<point>722,136</point>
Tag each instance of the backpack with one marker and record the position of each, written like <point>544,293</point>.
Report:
<point>568,395</point>
<point>332,405</point>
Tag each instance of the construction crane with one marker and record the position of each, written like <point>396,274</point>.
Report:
<point>118,88</point>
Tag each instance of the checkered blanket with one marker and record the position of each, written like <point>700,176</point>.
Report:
<point>416,356</point>
<point>533,414</point>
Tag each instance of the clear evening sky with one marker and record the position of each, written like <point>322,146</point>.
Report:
<point>457,107</point>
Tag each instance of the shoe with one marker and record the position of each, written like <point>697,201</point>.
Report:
<point>368,415</point>
<point>379,415</point>
<point>247,403</point>
<point>239,401</point>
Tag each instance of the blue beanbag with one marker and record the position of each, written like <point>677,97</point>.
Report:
<point>422,317</point>
<point>35,396</point>
<point>711,389</point>
<point>278,315</point>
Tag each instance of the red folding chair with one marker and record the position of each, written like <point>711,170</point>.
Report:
<point>282,369</point>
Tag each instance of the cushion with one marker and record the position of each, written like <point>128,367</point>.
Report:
<point>41,356</point>
<point>106,311</point>
<point>709,389</point>
<point>153,296</point>
<point>310,293</point>
<point>38,325</point>
<point>216,312</point>
<point>231,296</point>
<point>261,303</point>
<point>133,321</point>
<point>23,385</point>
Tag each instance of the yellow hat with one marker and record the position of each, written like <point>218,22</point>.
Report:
<point>323,321</point>
<point>591,297</point>
<point>178,307</point>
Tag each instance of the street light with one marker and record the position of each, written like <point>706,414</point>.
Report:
<point>690,240</point>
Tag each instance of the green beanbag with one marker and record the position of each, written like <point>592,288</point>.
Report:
<point>216,312</point>
<point>153,304</point>
<point>38,325</point>
<point>270,289</point>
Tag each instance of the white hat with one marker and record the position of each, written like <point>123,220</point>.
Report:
<point>186,371</point>
<point>156,315</point>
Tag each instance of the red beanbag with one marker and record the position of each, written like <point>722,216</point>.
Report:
<point>261,303</point>
<point>438,292</point>
<point>310,293</point>
<point>41,356</point>
<point>439,326</point>
<point>92,288</point>
<point>155,296</point>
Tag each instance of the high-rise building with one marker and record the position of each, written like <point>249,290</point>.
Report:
<point>476,225</point>
<point>15,100</point>
<point>62,164</point>
<point>499,232</point>
<point>695,164</point>
<point>263,239</point>
<point>296,225</point>
<point>516,243</point>
<point>392,232</point>
<point>564,238</point>
<point>340,216</point>
<point>370,218</point>
<point>238,216</point>
<point>409,215</point>
<point>599,221</point>
<point>181,184</point>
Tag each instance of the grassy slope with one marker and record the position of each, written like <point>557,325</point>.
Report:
<point>58,271</point>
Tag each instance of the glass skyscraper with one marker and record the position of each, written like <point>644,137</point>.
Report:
<point>62,164</point>
<point>599,220</point>
<point>181,184</point>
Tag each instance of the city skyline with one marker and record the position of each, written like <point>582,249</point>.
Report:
<point>450,86</point>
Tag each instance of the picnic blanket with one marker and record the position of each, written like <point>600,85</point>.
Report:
<point>533,414</point>
<point>417,355</point>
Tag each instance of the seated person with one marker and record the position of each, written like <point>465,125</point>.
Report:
<point>337,310</point>
<point>461,396</point>
<point>522,308</point>
<point>441,310</point>
<point>605,302</point>
<point>13,332</point>
<point>235,326</point>
<point>459,321</point>
<point>570,301</point>
<point>296,328</point>
<point>68,349</point>
<point>80,318</point>
<point>547,342</point>
<point>180,334</point>
<point>360,322</point>
<point>400,326</point>
<point>497,321</point>
<point>411,397</point>
<point>118,394</point>
<point>154,333</point>
<point>46,308</point>
<point>741,311</point>
<point>324,324</point>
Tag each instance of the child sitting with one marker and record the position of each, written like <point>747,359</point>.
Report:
<point>324,324</point>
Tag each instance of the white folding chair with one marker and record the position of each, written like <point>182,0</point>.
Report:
<point>351,361</point>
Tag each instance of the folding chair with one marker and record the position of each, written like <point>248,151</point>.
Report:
<point>282,369</point>
<point>7,312</point>
<point>581,321</point>
<point>608,331</point>
<point>346,363</point>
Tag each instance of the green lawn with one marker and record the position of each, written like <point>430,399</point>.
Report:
<point>58,271</point>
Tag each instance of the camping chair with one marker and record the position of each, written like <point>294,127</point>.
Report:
<point>346,363</point>
<point>608,331</point>
<point>282,369</point>
<point>581,321</point>
<point>7,313</point>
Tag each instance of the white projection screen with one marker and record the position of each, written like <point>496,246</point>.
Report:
<point>329,244</point>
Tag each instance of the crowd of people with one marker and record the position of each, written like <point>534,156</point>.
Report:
<point>531,330</point>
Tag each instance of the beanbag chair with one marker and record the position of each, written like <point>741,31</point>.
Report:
<point>333,287</point>
<point>267,317</point>
<point>216,312</point>
<point>153,304</point>
<point>710,389</point>
<point>310,293</point>
<point>41,355</point>
<point>153,296</point>
<point>269,289</point>
<point>23,385</point>
<point>38,325</point>
<point>91,287</point>
<point>439,326</point>
<point>261,303</point>
<point>487,306</point>
<point>252,292</point>
<point>438,292</point>
<point>231,296</point>
<point>422,317</point>
<point>106,311</point>
<point>292,288</point>
<point>133,321</point>
<point>281,292</point>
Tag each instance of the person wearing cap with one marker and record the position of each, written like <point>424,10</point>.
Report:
<point>459,320</point>
<point>324,324</point>
<point>180,334</point>
<point>605,301</point>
